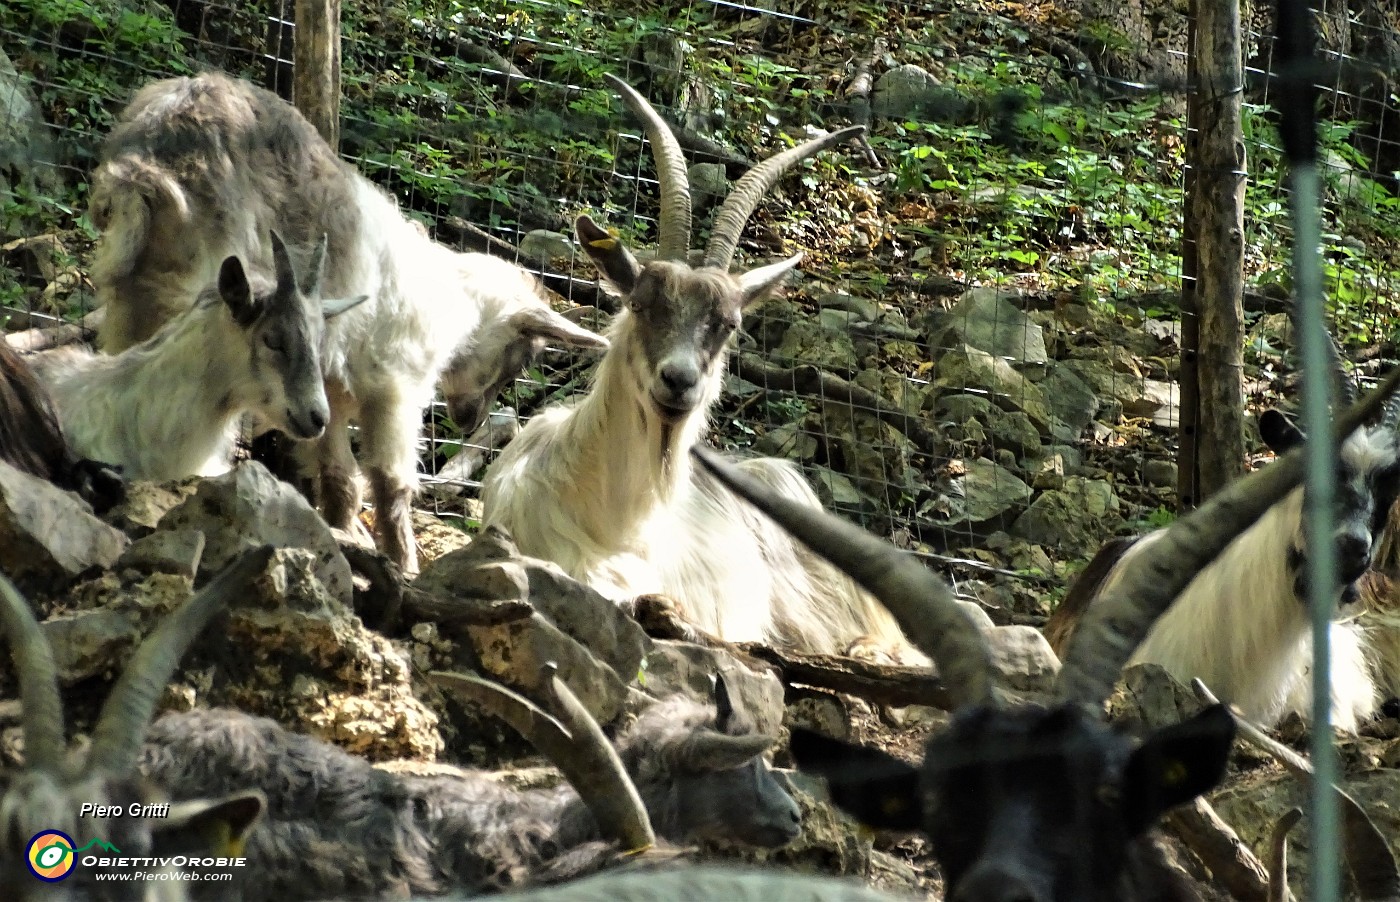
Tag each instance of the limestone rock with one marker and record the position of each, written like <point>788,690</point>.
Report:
<point>247,507</point>
<point>684,667</point>
<point>48,536</point>
<point>985,319</point>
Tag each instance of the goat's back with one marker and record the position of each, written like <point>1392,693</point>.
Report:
<point>198,169</point>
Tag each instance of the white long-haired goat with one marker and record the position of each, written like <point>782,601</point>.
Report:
<point>200,168</point>
<point>169,407</point>
<point>605,488</point>
<point>1242,625</point>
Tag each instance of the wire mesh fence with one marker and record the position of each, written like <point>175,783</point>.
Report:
<point>980,356</point>
<point>995,270</point>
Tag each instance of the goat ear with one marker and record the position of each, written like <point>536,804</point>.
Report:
<point>210,826</point>
<point>757,284</point>
<point>724,706</point>
<point>333,307</point>
<point>710,750</point>
<point>1175,765</point>
<point>237,293</point>
<point>1278,432</point>
<point>540,320</point>
<point>612,258</point>
<point>875,788</point>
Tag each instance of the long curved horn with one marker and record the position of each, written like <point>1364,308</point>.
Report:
<point>315,268</point>
<point>116,740</point>
<point>38,680</point>
<point>282,261</point>
<point>1114,625</point>
<point>576,745</point>
<point>919,600</point>
<point>670,172</point>
<point>757,182</point>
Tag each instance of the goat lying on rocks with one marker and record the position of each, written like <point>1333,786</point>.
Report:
<point>40,822</point>
<point>604,488</point>
<point>32,440</point>
<point>200,168</point>
<point>339,828</point>
<point>1025,802</point>
<point>1242,625</point>
<point>169,407</point>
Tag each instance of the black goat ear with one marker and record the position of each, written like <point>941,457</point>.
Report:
<point>1175,765</point>
<point>237,293</point>
<point>614,261</point>
<point>1278,432</point>
<point>210,826</point>
<point>875,788</point>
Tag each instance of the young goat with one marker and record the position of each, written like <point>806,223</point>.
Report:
<point>1026,802</point>
<point>41,826</point>
<point>168,408</point>
<point>605,489</point>
<point>339,828</point>
<point>200,168</point>
<point>32,440</point>
<point>1242,625</point>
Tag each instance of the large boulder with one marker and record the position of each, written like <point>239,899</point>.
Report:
<point>48,537</point>
<point>986,319</point>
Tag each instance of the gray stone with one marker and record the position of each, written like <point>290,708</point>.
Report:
<point>247,507</point>
<point>788,440</point>
<point>542,246</point>
<point>837,320</point>
<point>979,615</point>
<point>491,568</point>
<point>864,308</point>
<point>963,368</point>
<point>837,491</point>
<point>1105,382</point>
<point>28,155</point>
<point>1070,518</point>
<point>1160,401</point>
<point>708,181</point>
<point>684,667</point>
<point>1070,398</point>
<point>49,536</point>
<point>1022,658</point>
<point>1160,474</point>
<point>910,91</point>
<point>88,643</point>
<point>985,494</point>
<point>175,551</point>
<point>809,342</point>
<point>986,319</point>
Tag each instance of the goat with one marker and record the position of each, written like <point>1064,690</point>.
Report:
<point>32,440</point>
<point>1028,802</point>
<point>45,818</point>
<point>1243,625</point>
<point>169,407</point>
<point>337,827</point>
<point>604,488</point>
<point>706,882</point>
<point>199,168</point>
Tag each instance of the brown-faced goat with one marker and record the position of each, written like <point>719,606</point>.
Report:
<point>201,168</point>
<point>604,488</point>
<point>169,407</point>
<point>45,817</point>
<point>32,440</point>
<point>339,828</point>
<point>1025,802</point>
<point>1242,625</point>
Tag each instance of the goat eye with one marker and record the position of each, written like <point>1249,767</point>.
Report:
<point>273,342</point>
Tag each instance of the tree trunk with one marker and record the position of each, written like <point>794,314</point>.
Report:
<point>316,90</point>
<point>1216,151</point>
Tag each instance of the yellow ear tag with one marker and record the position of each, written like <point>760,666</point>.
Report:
<point>604,244</point>
<point>1173,773</point>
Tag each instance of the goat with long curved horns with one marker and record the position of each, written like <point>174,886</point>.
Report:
<point>1242,624</point>
<point>604,488</point>
<point>1025,802</point>
<point>44,799</point>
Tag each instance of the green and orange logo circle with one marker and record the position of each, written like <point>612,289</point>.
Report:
<point>50,855</point>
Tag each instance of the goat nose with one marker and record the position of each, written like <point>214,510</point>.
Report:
<point>993,883</point>
<point>1353,549</point>
<point>679,377</point>
<point>316,419</point>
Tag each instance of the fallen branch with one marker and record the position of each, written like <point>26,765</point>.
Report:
<point>858,96</point>
<point>462,612</point>
<point>816,382</point>
<point>1221,850</point>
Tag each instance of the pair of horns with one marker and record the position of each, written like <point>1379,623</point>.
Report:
<point>287,281</point>
<point>116,740</point>
<point>737,207</point>
<point>1113,627</point>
